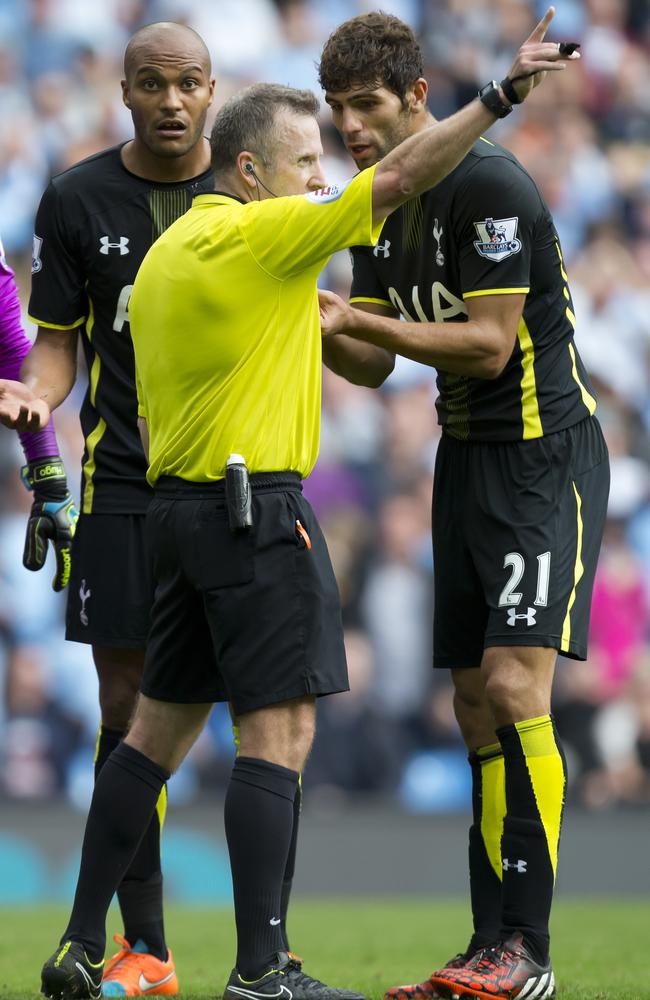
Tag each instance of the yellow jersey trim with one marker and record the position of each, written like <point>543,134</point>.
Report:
<point>99,736</point>
<point>587,398</point>
<point>578,570</point>
<point>97,434</point>
<point>161,806</point>
<point>546,773</point>
<point>496,291</point>
<point>483,139</point>
<point>56,326</point>
<point>378,302</point>
<point>529,402</point>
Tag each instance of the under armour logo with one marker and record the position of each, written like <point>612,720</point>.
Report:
<point>383,249</point>
<point>106,246</point>
<point>519,866</point>
<point>529,617</point>
<point>437,235</point>
<point>84,595</point>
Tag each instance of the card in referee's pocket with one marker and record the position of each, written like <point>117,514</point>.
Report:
<point>302,534</point>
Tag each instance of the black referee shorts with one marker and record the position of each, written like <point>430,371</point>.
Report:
<point>517,528</point>
<point>251,617</point>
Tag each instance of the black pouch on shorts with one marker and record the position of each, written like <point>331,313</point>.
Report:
<point>222,558</point>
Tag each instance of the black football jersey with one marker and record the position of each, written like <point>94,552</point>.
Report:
<point>94,225</point>
<point>485,229</point>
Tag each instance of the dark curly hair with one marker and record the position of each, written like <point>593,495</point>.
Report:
<point>372,50</point>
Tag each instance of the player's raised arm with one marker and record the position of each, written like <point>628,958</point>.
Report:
<point>422,160</point>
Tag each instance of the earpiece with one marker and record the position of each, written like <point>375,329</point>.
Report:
<point>250,169</point>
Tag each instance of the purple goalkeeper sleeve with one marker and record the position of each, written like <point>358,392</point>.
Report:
<point>14,346</point>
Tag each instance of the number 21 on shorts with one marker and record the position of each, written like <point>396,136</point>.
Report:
<point>515,562</point>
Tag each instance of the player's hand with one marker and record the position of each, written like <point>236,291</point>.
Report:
<point>20,408</point>
<point>53,518</point>
<point>335,314</point>
<point>537,57</point>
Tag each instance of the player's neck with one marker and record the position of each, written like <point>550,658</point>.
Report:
<point>421,122</point>
<point>139,160</point>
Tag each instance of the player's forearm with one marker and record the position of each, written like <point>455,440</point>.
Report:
<point>421,161</point>
<point>472,348</point>
<point>358,361</point>
<point>50,368</point>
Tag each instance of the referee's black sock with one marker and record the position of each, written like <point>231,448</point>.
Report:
<point>140,893</point>
<point>290,867</point>
<point>488,810</point>
<point>259,817</point>
<point>123,803</point>
<point>535,787</point>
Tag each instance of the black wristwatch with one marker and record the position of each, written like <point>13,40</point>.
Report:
<point>491,98</point>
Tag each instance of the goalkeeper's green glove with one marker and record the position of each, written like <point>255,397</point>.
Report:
<point>53,517</point>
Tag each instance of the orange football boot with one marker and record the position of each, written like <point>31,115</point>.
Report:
<point>135,973</point>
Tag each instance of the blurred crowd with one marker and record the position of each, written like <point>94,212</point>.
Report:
<point>585,137</point>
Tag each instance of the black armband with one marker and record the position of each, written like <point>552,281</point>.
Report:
<point>508,89</point>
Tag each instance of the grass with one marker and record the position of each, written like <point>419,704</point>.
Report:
<point>600,946</point>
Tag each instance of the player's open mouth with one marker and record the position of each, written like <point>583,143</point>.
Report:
<point>171,126</point>
<point>358,150</point>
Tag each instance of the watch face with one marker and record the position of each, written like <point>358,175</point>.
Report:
<point>489,95</point>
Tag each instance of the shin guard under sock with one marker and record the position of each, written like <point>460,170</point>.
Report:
<point>259,819</point>
<point>140,894</point>
<point>535,775</point>
<point>111,840</point>
<point>488,811</point>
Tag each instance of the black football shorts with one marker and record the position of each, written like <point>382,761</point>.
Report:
<point>517,528</point>
<point>111,582</point>
<point>251,617</point>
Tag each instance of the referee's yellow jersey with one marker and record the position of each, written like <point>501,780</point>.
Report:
<point>225,326</point>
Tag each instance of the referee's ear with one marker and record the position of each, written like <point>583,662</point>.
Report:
<point>246,169</point>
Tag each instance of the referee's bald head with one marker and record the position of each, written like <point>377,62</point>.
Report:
<point>167,40</point>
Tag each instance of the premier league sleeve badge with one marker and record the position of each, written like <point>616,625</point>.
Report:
<point>497,238</point>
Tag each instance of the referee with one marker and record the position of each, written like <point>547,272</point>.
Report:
<point>225,326</point>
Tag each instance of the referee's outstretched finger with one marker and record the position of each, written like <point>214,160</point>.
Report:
<point>538,32</point>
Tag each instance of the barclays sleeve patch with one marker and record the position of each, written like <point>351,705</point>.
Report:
<point>497,238</point>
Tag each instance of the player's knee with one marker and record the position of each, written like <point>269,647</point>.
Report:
<point>512,694</point>
<point>117,702</point>
<point>119,673</point>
